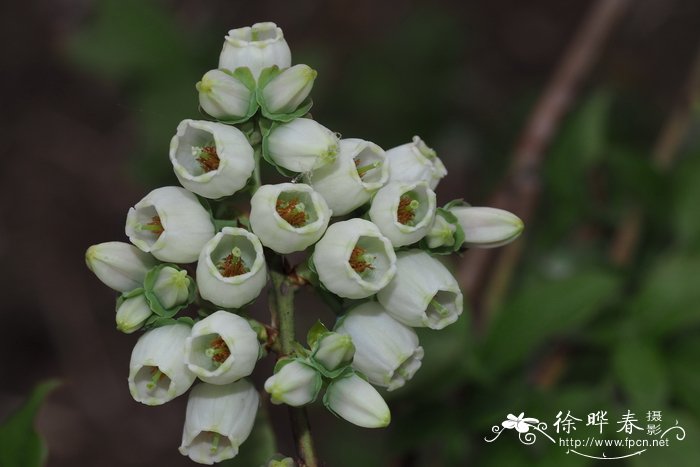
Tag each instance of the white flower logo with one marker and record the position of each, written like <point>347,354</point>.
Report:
<point>522,425</point>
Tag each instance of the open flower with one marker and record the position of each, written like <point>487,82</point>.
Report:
<point>294,383</point>
<point>354,259</point>
<point>222,348</point>
<point>170,224</point>
<point>386,351</point>
<point>355,400</point>
<point>301,145</point>
<point>157,371</point>
<point>211,159</point>
<point>256,47</point>
<point>404,212</point>
<point>522,425</point>
<point>487,227</point>
<point>415,162</point>
<point>219,419</point>
<point>226,95</point>
<point>288,217</point>
<point>356,174</point>
<point>120,266</point>
<point>423,293</point>
<point>231,270</point>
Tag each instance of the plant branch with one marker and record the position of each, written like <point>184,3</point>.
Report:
<point>521,189</point>
<point>282,311</point>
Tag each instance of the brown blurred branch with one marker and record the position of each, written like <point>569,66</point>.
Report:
<point>485,274</point>
<point>671,137</point>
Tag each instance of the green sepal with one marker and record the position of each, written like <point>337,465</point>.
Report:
<point>334,374</point>
<point>457,203</point>
<point>152,299</point>
<point>281,363</point>
<point>300,350</point>
<point>458,234</point>
<point>156,321</point>
<point>267,75</point>
<point>266,152</point>
<point>130,294</point>
<point>245,76</point>
<point>317,331</point>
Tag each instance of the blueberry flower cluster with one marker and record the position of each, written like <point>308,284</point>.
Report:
<point>367,219</point>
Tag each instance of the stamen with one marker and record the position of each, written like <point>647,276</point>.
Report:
<point>406,211</point>
<point>359,261</point>
<point>233,264</point>
<point>441,309</point>
<point>292,211</point>
<point>362,170</point>
<point>154,226</point>
<point>156,375</point>
<point>215,442</point>
<point>207,157</point>
<point>218,351</point>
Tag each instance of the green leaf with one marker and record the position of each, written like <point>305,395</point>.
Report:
<point>641,372</point>
<point>316,331</point>
<point>544,309</point>
<point>20,445</point>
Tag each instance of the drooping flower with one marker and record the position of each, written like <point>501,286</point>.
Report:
<point>120,266</point>
<point>415,162</point>
<point>301,145</point>
<point>294,383</point>
<point>231,270</point>
<point>354,259</point>
<point>355,400</point>
<point>227,95</point>
<point>256,47</point>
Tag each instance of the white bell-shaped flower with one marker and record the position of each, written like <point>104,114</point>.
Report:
<point>333,350</point>
<point>120,266</point>
<point>288,217</point>
<point>355,400</point>
<point>415,162</point>
<point>222,348</point>
<point>294,383</point>
<point>211,159</point>
<point>354,259</point>
<point>423,293</point>
<point>487,227</point>
<point>225,96</point>
<point>170,224</point>
<point>404,212</point>
<point>301,145</point>
<point>132,312</point>
<point>359,170</point>
<point>157,371</point>
<point>231,270</point>
<point>386,351</point>
<point>218,420</point>
<point>256,47</point>
<point>286,91</point>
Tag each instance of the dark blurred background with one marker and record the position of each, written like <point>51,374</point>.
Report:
<point>597,309</point>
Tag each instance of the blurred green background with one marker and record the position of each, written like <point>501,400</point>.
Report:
<point>93,92</point>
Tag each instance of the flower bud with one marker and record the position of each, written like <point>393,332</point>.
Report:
<point>132,312</point>
<point>157,371</point>
<point>355,400</point>
<point>386,351</point>
<point>231,270</point>
<point>415,162</point>
<point>441,234</point>
<point>120,266</point>
<point>294,383</point>
<point>219,419</point>
<point>280,461</point>
<point>226,95</point>
<point>222,348</point>
<point>286,91</point>
<point>288,217</point>
<point>353,259</point>
<point>360,169</point>
<point>404,212</point>
<point>256,47</point>
<point>334,351</point>
<point>211,159</point>
<point>487,227</point>
<point>171,287</point>
<point>423,293</point>
<point>170,224</point>
<point>301,145</point>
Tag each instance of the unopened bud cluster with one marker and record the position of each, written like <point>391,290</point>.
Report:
<point>368,219</point>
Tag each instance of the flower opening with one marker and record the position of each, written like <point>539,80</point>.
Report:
<point>233,264</point>
<point>207,157</point>
<point>218,351</point>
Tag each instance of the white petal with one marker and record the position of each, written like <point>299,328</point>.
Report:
<point>286,91</point>
<point>301,145</point>
<point>355,400</point>
<point>119,265</point>
<point>295,384</point>
<point>223,96</point>
<point>487,227</point>
<point>256,47</point>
